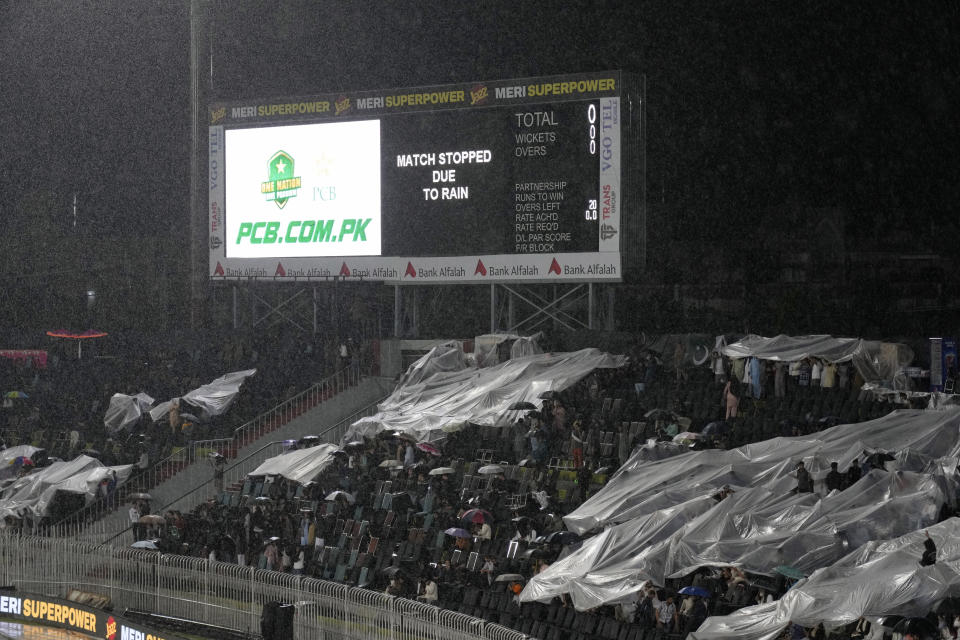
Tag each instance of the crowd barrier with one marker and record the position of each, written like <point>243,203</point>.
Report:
<point>227,595</point>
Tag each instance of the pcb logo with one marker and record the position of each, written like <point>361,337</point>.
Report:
<point>281,184</point>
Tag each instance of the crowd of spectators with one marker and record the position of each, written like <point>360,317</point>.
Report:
<point>61,404</point>
<point>465,525</point>
<point>56,400</point>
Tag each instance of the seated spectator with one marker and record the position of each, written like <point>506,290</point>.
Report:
<point>428,592</point>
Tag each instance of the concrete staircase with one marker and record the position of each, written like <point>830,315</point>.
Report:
<point>186,481</point>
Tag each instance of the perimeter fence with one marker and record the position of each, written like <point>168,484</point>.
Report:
<point>227,595</point>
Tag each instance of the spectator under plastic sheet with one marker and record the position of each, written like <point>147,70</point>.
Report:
<point>446,357</point>
<point>124,411</point>
<point>211,399</point>
<point>754,518</point>
<point>875,361</point>
<point>493,348</point>
<point>478,396</point>
<point>879,579</point>
<point>931,433</point>
<point>33,493</point>
<point>299,465</point>
<point>754,529</point>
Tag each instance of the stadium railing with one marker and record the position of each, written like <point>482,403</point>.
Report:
<point>226,595</point>
<point>234,474</point>
<point>83,523</point>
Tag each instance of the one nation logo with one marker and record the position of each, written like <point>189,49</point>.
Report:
<point>281,184</point>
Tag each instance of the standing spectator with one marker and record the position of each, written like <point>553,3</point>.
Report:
<point>929,556</point>
<point>698,614</point>
<point>756,378</point>
<point>731,399</point>
<point>218,462</point>
<point>667,615</point>
<point>271,555</point>
<point>719,373</point>
<point>576,443</point>
<point>804,377</point>
<point>834,479</point>
<point>804,482</point>
<point>650,371</point>
<point>135,526</point>
<point>829,377</point>
<point>780,379</point>
<point>679,353</point>
<point>816,373</point>
<point>843,376</point>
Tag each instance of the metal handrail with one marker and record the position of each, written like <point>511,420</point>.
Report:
<point>239,469</point>
<point>196,450</point>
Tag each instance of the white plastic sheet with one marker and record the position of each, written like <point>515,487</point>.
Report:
<point>211,399</point>
<point>425,406</point>
<point>300,465</point>
<point>669,520</point>
<point>124,411</point>
<point>32,494</point>
<point>442,358</point>
<point>874,361</point>
<point>880,578</point>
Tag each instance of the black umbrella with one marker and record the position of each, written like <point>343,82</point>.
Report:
<point>921,628</point>
<point>716,428</point>
<point>562,537</point>
<point>947,607</point>
<point>547,395</point>
<point>890,621</point>
<point>392,571</point>
<point>402,501</point>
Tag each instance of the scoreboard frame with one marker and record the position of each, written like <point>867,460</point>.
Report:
<point>612,124</point>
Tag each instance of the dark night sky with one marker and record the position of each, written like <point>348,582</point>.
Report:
<point>750,104</point>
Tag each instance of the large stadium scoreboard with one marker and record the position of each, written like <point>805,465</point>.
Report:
<point>516,180</point>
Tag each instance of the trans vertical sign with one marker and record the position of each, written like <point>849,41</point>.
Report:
<point>943,362</point>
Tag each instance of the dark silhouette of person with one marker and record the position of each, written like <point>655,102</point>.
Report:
<point>929,556</point>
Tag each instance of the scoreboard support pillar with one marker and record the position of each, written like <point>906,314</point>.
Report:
<point>405,324</point>
<point>570,307</point>
<point>590,305</point>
